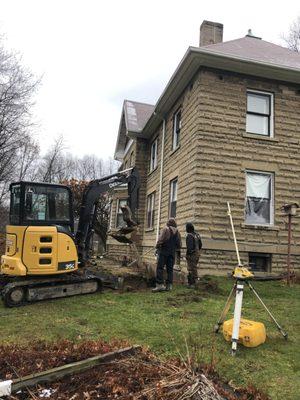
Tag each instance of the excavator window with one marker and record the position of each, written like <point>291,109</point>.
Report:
<point>41,204</point>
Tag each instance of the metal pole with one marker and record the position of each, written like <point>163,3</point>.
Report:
<point>288,279</point>
<point>225,309</point>
<point>284,334</point>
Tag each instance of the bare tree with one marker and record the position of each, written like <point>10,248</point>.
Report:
<point>90,167</point>
<point>27,159</point>
<point>292,39</point>
<point>17,86</point>
<point>51,167</point>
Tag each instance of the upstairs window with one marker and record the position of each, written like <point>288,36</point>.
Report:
<point>176,130</point>
<point>150,210</point>
<point>119,217</point>
<point>153,155</point>
<point>259,198</point>
<point>259,113</point>
<point>173,198</point>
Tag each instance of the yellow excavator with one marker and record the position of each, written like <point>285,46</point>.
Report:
<point>44,258</point>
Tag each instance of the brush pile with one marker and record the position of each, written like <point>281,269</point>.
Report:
<point>139,377</point>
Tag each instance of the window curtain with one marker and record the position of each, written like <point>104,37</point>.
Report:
<point>258,198</point>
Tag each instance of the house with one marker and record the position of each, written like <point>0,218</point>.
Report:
<point>226,128</point>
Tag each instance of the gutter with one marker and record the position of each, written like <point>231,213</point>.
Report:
<point>161,177</point>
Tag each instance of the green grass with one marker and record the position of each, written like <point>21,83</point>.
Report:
<point>163,321</point>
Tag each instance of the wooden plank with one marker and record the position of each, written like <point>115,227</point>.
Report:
<point>69,369</point>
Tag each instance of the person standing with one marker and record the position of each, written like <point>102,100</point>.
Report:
<point>168,243</point>
<point>193,247</point>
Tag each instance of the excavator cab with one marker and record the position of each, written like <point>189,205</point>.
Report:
<point>41,204</point>
<point>39,237</point>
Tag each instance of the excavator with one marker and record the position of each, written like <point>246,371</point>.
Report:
<point>44,258</point>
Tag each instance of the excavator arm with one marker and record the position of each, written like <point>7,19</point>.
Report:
<point>90,199</point>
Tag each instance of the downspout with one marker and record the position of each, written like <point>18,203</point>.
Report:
<point>161,177</point>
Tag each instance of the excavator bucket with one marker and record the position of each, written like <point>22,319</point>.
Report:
<point>126,233</point>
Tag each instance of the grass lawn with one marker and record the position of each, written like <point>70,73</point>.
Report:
<point>165,321</point>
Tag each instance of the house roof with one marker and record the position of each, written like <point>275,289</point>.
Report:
<point>133,119</point>
<point>136,115</point>
<point>256,49</point>
<point>248,55</point>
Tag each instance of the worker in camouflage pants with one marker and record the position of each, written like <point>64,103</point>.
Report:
<point>193,247</point>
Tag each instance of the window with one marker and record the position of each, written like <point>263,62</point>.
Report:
<point>150,210</point>
<point>259,113</point>
<point>259,198</point>
<point>44,203</point>
<point>173,198</point>
<point>153,155</point>
<point>119,217</point>
<point>176,130</point>
<point>15,204</point>
<point>260,262</point>
<point>131,159</point>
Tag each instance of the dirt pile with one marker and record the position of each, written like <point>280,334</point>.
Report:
<point>139,377</point>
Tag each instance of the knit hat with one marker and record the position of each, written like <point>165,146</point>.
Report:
<point>189,227</point>
<point>172,222</point>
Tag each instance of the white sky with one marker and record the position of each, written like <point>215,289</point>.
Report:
<point>93,54</point>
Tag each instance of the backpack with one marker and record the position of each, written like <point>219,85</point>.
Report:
<point>198,241</point>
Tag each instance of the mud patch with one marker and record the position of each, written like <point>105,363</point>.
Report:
<point>181,299</point>
<point>208,284</point>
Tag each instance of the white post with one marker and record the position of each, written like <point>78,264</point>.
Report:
<point>237,316</point>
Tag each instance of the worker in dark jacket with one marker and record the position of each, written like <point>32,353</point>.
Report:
<point>168,243</point>
<point>193,247</point>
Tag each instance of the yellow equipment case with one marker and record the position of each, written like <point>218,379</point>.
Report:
<point>251,333</point>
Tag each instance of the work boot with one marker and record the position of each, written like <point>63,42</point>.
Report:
<point>191,286</point>
<point>169,287</point>
<point>160,287</point>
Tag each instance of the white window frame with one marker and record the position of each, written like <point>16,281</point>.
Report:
<point>176,129</point>
<point>119,213</point>
<point>173,198</point>
<point>153,155</point>
<point>270,116</point>
<point>272,208</point>
<point>151,210</point>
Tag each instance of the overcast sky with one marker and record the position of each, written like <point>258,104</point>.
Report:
<point>93,54</point>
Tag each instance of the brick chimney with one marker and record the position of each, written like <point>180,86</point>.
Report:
<point>210,33</point>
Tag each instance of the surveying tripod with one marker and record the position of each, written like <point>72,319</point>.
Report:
<point>242,276</point>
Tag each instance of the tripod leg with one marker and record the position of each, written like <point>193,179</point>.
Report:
<point>237,316</point>
<point>225,310</point>
<point>284,334</point>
